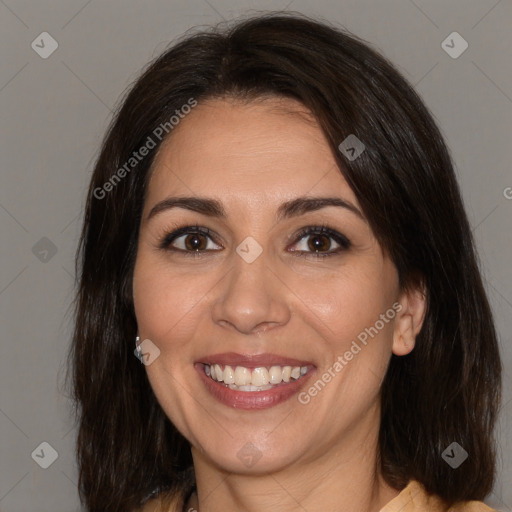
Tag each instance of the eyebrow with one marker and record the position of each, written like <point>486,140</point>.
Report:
<point>214,208</point>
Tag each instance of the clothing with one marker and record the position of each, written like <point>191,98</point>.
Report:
<point>414,498</point>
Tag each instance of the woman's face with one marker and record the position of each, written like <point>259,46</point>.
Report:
<point>258,299</point>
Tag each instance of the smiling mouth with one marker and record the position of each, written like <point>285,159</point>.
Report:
<point>262,378</point>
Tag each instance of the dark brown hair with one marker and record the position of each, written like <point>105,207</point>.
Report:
<point>447,389</point>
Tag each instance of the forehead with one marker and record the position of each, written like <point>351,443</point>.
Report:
<point>253,152</point>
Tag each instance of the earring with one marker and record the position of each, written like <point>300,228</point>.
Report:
<point>138,349</point>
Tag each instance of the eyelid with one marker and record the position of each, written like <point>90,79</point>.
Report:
<point>343,242</point>
<point>170,236</point>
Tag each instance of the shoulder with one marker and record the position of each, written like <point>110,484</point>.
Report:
<point>471,506</point>
<point>415,498</point>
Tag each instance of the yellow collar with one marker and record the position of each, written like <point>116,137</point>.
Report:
<point>414,498</point>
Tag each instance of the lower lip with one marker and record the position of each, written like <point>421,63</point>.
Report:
<point>252,399</point>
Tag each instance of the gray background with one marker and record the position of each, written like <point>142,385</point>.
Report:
<point>54,112</point>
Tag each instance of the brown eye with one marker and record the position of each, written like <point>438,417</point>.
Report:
<point>319,243</point>
<point>190,239</point>
<point>195,242</point>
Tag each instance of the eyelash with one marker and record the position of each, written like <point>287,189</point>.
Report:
<point>340,239</point>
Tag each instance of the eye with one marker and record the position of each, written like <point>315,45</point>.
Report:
<point>189,239</point>
<point>320,241</point>
<point>311,241</point>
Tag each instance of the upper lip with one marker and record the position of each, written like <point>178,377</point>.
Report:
<point>252,360</point>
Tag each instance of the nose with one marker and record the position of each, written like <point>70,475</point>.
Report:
<point>251,298</point>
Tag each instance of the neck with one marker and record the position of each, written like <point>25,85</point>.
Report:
<point>345,478</point>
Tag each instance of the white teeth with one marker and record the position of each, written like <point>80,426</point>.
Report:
<point>295,372</point>
<point>250,387</point>
<point>228,375</point>
<point>242,376</point>
<point>257,379</point>
<point>275,375</point>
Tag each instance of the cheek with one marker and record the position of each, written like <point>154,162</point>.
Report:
<point>346,303</point>
<point>167,313</point>
<point>164,301</point>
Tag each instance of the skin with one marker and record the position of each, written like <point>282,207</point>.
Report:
<point>253,156</point>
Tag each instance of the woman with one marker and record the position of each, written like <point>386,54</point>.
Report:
<point>274,228</point>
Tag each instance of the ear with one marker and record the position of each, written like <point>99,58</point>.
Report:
<point>411,310</point>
